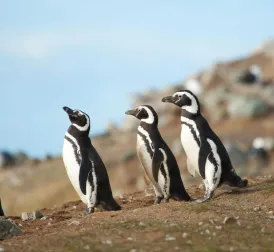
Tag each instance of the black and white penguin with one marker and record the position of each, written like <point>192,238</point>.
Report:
<point>1,209</point>
<point>206,154</point>
<point>84,166</point>
<point>158,161</point>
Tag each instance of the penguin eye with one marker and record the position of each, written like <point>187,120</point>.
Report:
<point>180,96</point>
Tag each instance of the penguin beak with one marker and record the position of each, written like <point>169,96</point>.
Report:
<point>68,110</point>
<point>169,99</point>
<point>131,112</point>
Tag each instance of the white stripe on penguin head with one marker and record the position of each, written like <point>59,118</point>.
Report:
<point>86,126</point>
<point>150,118</point>
<point>193,108</point>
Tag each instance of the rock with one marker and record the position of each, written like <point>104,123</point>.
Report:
<point>216,98</point>
<point>229,220</point>
<point>26,216</point>
<point>31,216</point>
<point>2,249</point>
<point>8,229</point>
<point>44,218</point>
<point>37,215</point>
<point>77,223</point>
<point>185,235</point>
<point>251,75</point>
<point>170,238</point>
<point>240,107</point>
<point>219,227</point>
<point>6,159</point>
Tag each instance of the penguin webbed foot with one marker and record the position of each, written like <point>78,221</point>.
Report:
<point>158,200</point>
<point>165,200</point>
<point>89,211</point>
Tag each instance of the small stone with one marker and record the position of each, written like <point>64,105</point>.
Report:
<point>271,217</point>
<point>185,235</point>
<point>200,223</point>
<point>26,216</point>
<point>229,220</point>
<point>270,212</point>
<point>108,242</point>
<point>129,239</point>
<point>202,186</point>
<point>121,196</point>
<point>77,223</point>
<point>257,209</point>
<point>177,248</point>
<point>37,215</point>
<point>44,218</point>
<point>189,242</point>
<point>87,247</point>
<point>74,207</point>
<point>141,224</point>
<point>207,232</point>
<point>263,230</point>
<point>49,224</point>
<point>211,221</point>
<point>214,234</point>
<point>2,249</point>
<point>231,249</point>
<point>133,250</point>
<point>219,227</point>
<point>170,238</point>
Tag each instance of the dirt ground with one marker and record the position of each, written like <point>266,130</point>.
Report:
<point>142,226</point>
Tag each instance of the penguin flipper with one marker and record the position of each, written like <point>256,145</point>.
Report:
<point>157,160</point>
<point>205,150</point>
<point>83,174</point>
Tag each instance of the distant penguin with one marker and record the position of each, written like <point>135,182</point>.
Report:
<point>84,166</point>
<point>1,209</point>
<point>206,154</point>
<point>158,161</point>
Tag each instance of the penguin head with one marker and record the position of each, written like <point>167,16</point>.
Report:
<point>78,118</point>
<point>145,113</point>
<point>184,99</point>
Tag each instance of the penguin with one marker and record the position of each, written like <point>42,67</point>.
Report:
<point>159,163</point>
<point>1,209</point>
<point>84,165</point>
<point>206,154</point>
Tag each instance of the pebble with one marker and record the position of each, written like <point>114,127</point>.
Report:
<point>207,231</point>
<point>31,216</point>
<point>2,249</point>
<point>87,247</point>
<point>44,218</point>
<point>74,223</point>
<point>200,223</point>
<point>170,238</point>
<point>141,224</point>
<point>129,239</point>
<point>219,227</point>
<point>257,209</point>
<point>108,242</point>
<point>185,235</point>
<point>270,212</point>
<point>271,217</point>
<point>229,220</point>
<point>74,207</point>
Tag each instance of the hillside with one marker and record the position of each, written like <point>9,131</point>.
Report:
<point>173,226</point>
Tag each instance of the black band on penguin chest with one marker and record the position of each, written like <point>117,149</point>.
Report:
<point>75,149</point>
<point>150,149</point>
<point>193,133</point>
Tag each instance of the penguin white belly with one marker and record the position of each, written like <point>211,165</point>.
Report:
<point>145,158</point>
<point>72,168</point>
<point>190,146</point>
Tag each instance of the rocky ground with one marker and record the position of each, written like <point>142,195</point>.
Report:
<point>237,220</point>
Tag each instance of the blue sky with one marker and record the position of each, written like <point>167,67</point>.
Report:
<point>92,55</point>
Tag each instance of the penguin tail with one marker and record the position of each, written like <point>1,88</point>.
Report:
<point>234,180</point>
<point>110,205</point>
